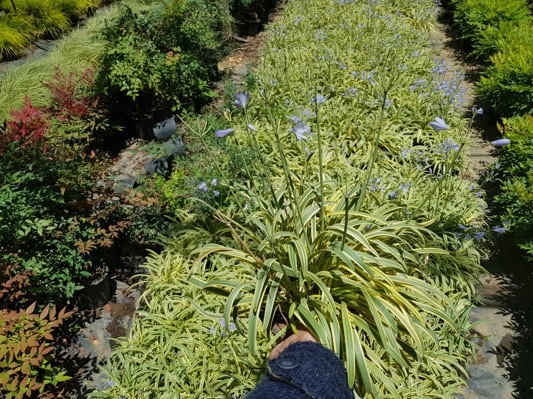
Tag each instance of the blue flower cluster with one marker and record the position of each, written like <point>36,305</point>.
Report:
<point>391,188</point>
<point>203,187</point>
<point>479,235</point>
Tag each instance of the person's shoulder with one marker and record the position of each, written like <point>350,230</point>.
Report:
<point>304,370</point>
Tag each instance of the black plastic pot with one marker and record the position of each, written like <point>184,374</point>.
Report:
<point>175,147</point>
<point>143,127</point>
<point>125,185</point>
<point>158,165</point>
<point>163,130</point>
<point>249,28</point>
<point>96,294</point>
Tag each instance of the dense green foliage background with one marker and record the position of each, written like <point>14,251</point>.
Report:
<point>500,33</point>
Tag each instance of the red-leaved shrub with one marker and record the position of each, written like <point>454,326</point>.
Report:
<point>27,126</point>
<point>68,92</point>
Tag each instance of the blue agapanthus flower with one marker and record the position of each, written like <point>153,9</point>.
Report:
<point>301,130</point>
<point>294,118</point>
<point>223,133</point>
<point>448,145</point>
<point>438,124</point>
<point>479,235</point>
<point>477,111</point>
<point>499,229</point>
<point>203,187</point>
<point>500,142</point>
<point>241,99</point>
<point>319,99</point>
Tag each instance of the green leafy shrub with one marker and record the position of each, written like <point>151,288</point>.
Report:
<point>516,129</point>
<point>78,117</point>
<point>191,26</point>
<point>40,239</point>
<point>507,85</point>
<point>500,32</point>
<point>515,200</point>
<point>50,227</point>
<point>128,72</point>
<point>495,38</point>
<point>163,58</point>
<point>474,17</point>
<point>26,351</point>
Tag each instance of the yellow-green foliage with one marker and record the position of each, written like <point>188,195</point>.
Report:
<point>74,8</point>
<point>36,18</point>
<point>74,53</point>
<point>173,350</point>
<point>13,40</point>
<point>501,30</point>
<point>47,20</point>
<point>517,128</point>
<point>508,83</point>
<point>473,17</point>
<point>496,38</point>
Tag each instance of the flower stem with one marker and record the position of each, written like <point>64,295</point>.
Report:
<point>201,136</point>
<point>375,143</point>
<point>320,168</point>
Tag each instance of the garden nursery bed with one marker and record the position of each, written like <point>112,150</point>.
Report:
<point>334,181</point>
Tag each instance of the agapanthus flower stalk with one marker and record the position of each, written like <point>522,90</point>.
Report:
<point>477,111</point>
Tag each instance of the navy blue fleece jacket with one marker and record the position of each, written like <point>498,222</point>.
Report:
<point>304,370</point>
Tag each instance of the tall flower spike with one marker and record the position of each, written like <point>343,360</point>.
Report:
<point>500,142</point>
<point>438,124</point>
<point>241,99</point>
<point>223,133</point>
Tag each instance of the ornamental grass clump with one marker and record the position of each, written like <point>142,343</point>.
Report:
<point>345,220</point>
<point>174,350</point>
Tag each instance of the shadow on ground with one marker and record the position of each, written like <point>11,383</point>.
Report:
<point>516,300</point>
